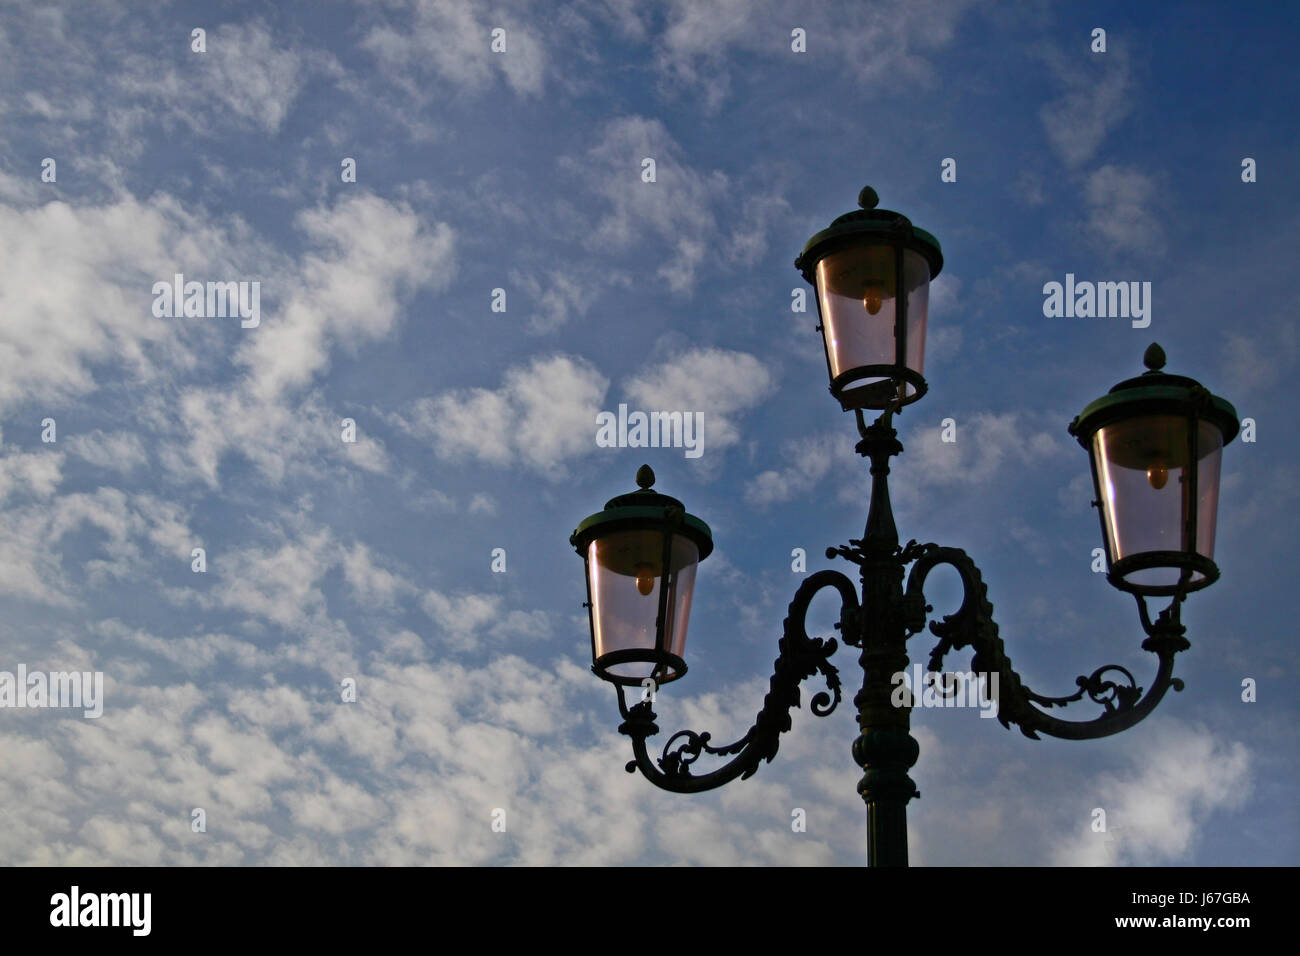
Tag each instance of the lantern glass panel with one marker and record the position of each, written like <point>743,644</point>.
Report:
<point>626,569</point>
<point>857,300</point>
<point>1144,479</point>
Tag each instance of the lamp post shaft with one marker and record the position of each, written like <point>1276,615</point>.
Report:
<point>885,748</point>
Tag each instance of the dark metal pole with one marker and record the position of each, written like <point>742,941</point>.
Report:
<point>885,748</point>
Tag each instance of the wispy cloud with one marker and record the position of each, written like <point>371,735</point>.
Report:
<point>718,383</point>
<point>1097,94</point>
<point>677,208</point>
<point>452,41</point>
<point>246,76</point>
<point>543,414</point>
<point>879,43</point>
<point>1155,815</point>
<point>1122,212</point>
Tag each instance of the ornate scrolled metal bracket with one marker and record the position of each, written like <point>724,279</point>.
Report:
<point>800,657</point>
<point>973,625</point>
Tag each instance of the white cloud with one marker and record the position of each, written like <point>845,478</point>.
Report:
<point>943,337</point>
<point>945,296</point>
<point>1254,363</point>
<point>986,443</point>
<point>452,40</point>
<point>543,415</point>
<point>282,582</point>
<point>1075,496</point>
<point>79,109</point>
<point>244,75</point>
<point>370,255</point>
<point>811,459</point>
<point>558,294</point>
<point>1096,96</point>
<point>677,207</point>
<point>371,582</point>
<point>1029,189</point>
<point>466,619</point>
<point>18,190</point>
<point>412,771</point>
<point>716,383</point>
<point>749,237</point>
<point>623,15</point>
<point>1120,217</point>
<point>372,252</point>
<point>138,531</point>
<point>676,218</point>
<point>107,258</point>
<point>250,75</point>
<point>1155,812</point>
<point>36,473</point>
<point>886,42</point>
<point>114,451</point>
<point>278,437</point>
<point>192,655</point>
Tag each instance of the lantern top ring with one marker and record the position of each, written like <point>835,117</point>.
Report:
<point>868,225</point>
<point>640,509</point>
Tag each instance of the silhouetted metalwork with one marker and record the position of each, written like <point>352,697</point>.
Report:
<point>885,749</point>
<point>1149,432</point>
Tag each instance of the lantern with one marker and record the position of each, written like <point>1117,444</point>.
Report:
<point>640,552</point>
<point>1155,442</point>
<point>872,270</point>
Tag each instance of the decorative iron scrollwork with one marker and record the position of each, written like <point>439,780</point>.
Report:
<point>1114,697</point>
<point>800,657</point>
<point>973,625</point>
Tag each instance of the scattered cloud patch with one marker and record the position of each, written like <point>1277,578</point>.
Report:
<point>542,415</point>
<point>720,384</point>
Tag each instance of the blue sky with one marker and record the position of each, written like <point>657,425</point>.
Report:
<point>521,170</point>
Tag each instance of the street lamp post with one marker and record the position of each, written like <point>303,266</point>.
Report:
<point>1154,442</point>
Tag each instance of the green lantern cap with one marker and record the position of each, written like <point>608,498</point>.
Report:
<point>1155,392</point>
<point>868,223</point>
<point>640,509</point>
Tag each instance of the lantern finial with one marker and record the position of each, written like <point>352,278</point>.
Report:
<point>1154,357</point>
<point>645,477</point>
<point>868,198</point>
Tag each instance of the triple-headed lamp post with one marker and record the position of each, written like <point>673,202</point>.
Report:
<point>1154,441</point>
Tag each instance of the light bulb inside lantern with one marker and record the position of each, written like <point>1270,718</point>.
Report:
<point>1158,475</point>
<point>873,299</point>
<point>645,579</point>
